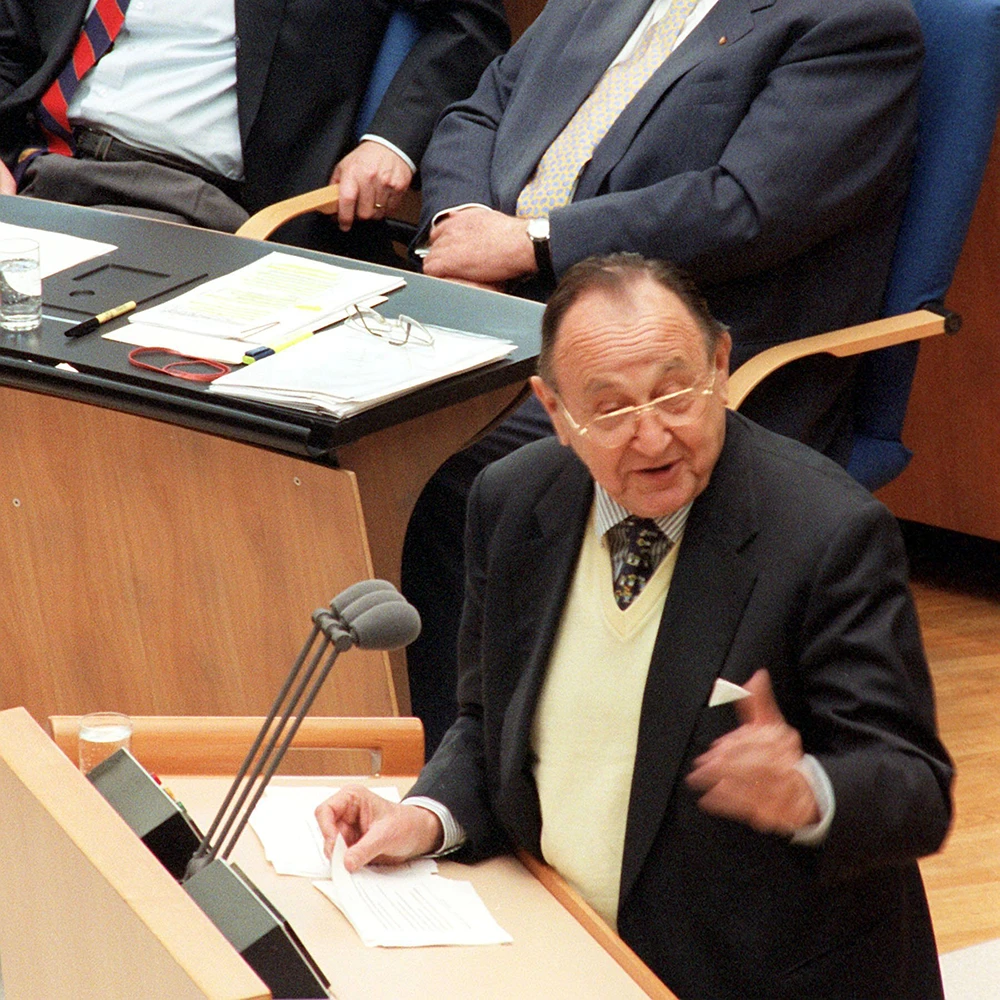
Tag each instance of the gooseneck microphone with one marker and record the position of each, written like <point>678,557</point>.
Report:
<point>371,614</point>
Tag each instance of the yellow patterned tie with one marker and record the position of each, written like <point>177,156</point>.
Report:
<point>552,183</point>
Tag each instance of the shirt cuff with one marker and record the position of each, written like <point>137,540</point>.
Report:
<point>438,216</point>
<point>367,137</point>
<point>454,835</point>
<point>422,250</point>
<point>819,781</point>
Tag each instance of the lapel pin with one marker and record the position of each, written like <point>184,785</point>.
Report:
<point>722,40</point>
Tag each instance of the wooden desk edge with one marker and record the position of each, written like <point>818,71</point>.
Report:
<point>588,918</point>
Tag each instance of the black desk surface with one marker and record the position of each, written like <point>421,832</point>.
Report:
<point>105,377</point>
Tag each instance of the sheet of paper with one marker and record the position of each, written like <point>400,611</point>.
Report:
<point>344,370</point>
<point>269,299</point>
<point>194,345</point>
<point>408,906</point>
<point>284,822</point>
<point>57,251</point>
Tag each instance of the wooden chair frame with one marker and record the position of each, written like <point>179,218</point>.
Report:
<point>841,343</point>
<point>260,225</point>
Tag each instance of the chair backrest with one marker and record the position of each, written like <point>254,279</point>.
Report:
<point>400,35</point>
<point>170,744</point>
<point>959,101</point>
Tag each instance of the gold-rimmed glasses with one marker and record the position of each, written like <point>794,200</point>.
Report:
<point>399,332</point>
<point>674,409</point>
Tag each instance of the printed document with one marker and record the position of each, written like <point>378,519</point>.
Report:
<point>409,906</point>
<point>344,370</point>
<point>390,906</point>
<point>274,296</point>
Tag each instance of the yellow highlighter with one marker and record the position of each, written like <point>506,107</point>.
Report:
<point>266,350</point>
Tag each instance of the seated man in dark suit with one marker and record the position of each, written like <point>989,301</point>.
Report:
<point>763,145</point>
<point>626,583</point>
<point>205,111</point>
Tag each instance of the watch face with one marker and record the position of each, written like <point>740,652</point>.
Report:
<point>538,229</point>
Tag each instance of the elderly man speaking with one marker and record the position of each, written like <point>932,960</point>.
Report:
<point>624,583</point>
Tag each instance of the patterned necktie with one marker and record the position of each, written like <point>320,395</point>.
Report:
<point>641,534</point>
<point>99,32</point>
<point>551,186</point>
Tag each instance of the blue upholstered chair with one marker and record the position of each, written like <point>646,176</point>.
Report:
<point>959,102</point>
<point>400,35</point>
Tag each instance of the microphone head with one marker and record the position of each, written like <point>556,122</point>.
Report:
<point>389,625</point>
<point>372,600</point>
<point>357,590</point>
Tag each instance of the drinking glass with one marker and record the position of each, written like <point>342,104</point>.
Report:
<point>101,734</point>
<point>20,285</point>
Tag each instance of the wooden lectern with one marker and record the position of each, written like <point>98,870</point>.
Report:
<point>87,911</point>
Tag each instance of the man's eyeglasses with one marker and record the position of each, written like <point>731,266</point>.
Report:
<point>404,330</point>
<point>675,409</point>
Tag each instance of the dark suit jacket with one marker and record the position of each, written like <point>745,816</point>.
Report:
<point>769,156</point>
<point>786,564</point>
<point>302,69</point>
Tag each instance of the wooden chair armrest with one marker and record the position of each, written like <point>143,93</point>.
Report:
<point>596,927</point>
<point>260,225</point>
<point>217,744</point>
<point>842,343</point>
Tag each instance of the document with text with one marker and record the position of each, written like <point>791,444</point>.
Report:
<point>409,906</point>
<point>392,906</point>
<point>273,297</point>
<point>343,371</point>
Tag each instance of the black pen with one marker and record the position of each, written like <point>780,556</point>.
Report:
<point>89,325</point>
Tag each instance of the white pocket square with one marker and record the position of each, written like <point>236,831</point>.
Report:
<point>724,692</point>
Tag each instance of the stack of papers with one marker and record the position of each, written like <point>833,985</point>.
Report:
<point>344,370</point>
<point>285,823</point>
<point>394,906</point>
<point>409,906</point>
<point>264,303</point>
<point>273,297</point>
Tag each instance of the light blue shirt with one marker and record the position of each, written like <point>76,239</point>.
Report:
<point>169,83</point>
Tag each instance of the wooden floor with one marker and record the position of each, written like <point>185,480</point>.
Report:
<point>956,583</point>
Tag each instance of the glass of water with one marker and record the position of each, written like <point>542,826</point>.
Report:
<point>101,734</point>
<point>20,285</point>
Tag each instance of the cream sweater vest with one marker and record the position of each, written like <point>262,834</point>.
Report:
<point>586,725</point>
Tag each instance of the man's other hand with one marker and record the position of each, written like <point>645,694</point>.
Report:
<point>480,245</point>
<point>7,183</point>
<point>750,774</point>
<point>375,829</point>
<point>372,179</point>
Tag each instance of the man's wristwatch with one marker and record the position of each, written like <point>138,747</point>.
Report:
<point>538,233</point>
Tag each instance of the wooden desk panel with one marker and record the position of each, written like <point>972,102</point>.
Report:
<point>155,569</point>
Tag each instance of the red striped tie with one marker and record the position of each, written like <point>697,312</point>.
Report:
<point>99,32</point>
